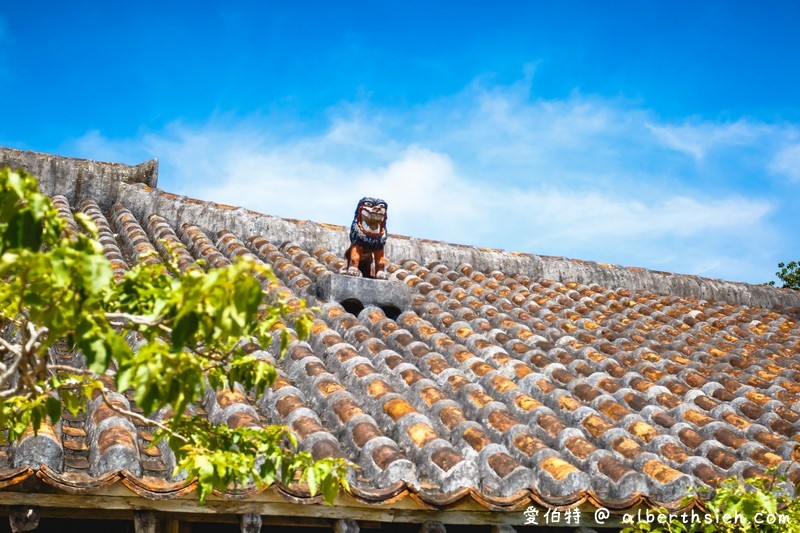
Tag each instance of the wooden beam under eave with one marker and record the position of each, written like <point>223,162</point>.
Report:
<point>346,526</point>
<point>274,509</point>
<point>250,523</point>
<point>190,518</point>
<point>23,518</point>
<point>176,526</point>
<point>144,522</point>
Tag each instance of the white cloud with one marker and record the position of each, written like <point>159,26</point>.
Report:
<point>581,177</point>
<point>697,138</point>
<point>787,162</point>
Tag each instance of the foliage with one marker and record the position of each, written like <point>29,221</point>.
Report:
<point>192,331</point>
<point>789,274</point>
<point>738,506</point>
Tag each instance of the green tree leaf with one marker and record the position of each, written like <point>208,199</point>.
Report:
<point>169,335</point>
<point>53,409</point>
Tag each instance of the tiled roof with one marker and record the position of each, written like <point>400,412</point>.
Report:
<point>498,384</point>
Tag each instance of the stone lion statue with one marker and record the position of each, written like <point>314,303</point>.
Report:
<point>367,238</point>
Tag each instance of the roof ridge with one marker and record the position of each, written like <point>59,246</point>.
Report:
<point>108,183</point>
<point>562,269</point>
<point>61,170</point>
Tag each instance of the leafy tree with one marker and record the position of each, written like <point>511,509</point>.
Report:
<point>789,274</point>
<point>751,505</point>
<point>194,330</point>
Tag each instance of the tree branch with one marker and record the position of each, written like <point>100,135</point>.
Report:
<point>8,393</point>
<point>14,349</point>
<point>30,345</point>
<point>71,370</point>
<point>143,420</point>
<point>124,319</point>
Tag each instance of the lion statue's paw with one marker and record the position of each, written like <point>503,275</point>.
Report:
<point>382,275</point>
<point>352,271</point>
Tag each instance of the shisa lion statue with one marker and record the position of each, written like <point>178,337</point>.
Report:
<point>367,238</point>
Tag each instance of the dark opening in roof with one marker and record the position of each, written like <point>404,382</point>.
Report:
<point>391,311</point>
<point>354,307</point>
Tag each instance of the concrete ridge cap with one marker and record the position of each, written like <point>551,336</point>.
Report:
<point>108,182</point>
<point>400,247</point>
<point>49,167</point>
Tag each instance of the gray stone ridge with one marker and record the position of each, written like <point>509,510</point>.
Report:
<point>367,292</point>
<point>52,169</point>
<point>108,183</point>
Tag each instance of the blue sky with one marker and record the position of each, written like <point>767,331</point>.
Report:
<point>663,135</point>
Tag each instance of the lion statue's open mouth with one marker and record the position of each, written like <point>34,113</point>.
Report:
<point>371,217</point>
